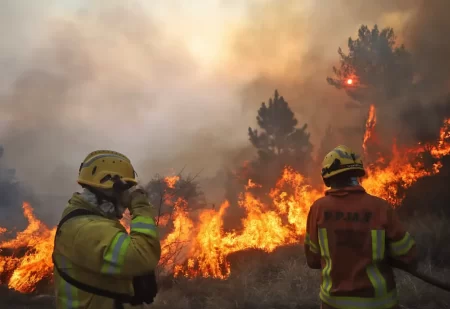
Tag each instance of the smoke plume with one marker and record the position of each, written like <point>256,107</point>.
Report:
<point>292,46</point>
<point>109,77</point>
<point>120,77</point>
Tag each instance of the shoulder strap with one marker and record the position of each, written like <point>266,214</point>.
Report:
<point>85,287</point>
<point>90,289</point>
<point>145,290</point>
<point>75,213</point>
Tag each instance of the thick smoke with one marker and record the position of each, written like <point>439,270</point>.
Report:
<point>109,77</point>
<point>114,76</point>
<point>426,33</point>
<point>292,46</point>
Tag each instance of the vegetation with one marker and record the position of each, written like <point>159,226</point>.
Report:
<point>383,71</point>
<point>278,142</point>
<point>379,68</point>
<point>282,280</point>
<point>163,194</point>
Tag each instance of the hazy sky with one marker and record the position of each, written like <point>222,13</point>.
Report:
<point>168,82</point>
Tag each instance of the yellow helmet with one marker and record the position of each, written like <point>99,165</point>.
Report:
<point>342,159</point>
<point>100,167</point>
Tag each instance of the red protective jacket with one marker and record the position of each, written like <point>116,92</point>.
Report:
<point>350,235</point>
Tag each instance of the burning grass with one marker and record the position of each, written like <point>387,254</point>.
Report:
<point>281,279</point>
<point>226,274</point>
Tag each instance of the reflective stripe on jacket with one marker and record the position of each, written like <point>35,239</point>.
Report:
<point>350,235</point>
<point>98,251</point>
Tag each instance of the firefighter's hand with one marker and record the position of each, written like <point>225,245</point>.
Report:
<point>138,200</point>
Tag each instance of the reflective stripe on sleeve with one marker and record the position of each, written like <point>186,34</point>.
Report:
<point>374,274</point>
<point>378,244</point>
<point>325,252</point>
<point>386,302</point>
<point>144,225</point>
<point>114,257</point>
<point>67,293</point>
<point>312,246</point>
<point>402,246</point>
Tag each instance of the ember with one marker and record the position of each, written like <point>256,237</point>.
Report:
<point>200,247</point>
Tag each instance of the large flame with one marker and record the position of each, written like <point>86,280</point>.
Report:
<point>370,125</point>
<point>22,273</point>
<point>198,245</point>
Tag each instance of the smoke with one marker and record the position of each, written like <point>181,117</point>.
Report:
<point>426,33</point>
<point>168,94</point>
<point>292,46</point>
<point>110,77</point>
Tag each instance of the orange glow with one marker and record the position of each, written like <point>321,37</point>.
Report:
<point>349,81</point>
<point>370,127</point>
<point>197,244</point>
<point>171,181</point>
<point>23,273</point>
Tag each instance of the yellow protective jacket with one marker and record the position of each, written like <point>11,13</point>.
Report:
<point>98,251</point>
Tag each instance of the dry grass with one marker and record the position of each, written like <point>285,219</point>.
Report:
<point>432,235</point>
<point>258,280</point>
<point>282,280</point>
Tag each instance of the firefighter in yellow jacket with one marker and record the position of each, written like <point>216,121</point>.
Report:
<point>97,264</point>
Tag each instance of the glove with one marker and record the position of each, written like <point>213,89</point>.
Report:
<point>145,289</point>
<point>139,203</point>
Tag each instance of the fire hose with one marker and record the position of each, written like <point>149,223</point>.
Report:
<point>424,277</point>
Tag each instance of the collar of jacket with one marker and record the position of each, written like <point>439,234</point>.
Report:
<point>345,191</point>
<point>78,201</point>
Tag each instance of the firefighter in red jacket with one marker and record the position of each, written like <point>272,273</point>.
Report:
<point>354,237</point>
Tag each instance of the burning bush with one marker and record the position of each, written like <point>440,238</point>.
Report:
<point>195,244</point>
<point>199,247</point>
<point>26,259</point>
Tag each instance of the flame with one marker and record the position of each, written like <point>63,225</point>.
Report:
<point>173,246</point>
<point>402,171</point>
<point>126,220</point>
<point>265,226</point>
<point>442,148</point>
<point>23,273</point>
<point>251,184</point>
<point>171,181</point>
<point>370,126</point>
<point>196,244</point>
<point>349,81</point>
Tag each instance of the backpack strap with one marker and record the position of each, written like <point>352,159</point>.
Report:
<point>118,298</point>
<point>80,212</point>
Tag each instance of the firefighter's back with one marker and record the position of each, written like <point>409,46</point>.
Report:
<point>352,238</point>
